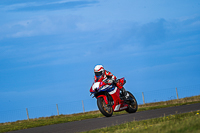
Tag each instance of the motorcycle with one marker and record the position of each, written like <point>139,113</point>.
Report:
<point>110,99</point>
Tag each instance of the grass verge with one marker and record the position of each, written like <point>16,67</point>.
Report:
<point>179,123</point>
<point>43,121</point>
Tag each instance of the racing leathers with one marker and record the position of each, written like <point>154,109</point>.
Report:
<point>108,78</point>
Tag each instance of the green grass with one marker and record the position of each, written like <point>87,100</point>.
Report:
<point>24,124</point>
<point>179,123</point>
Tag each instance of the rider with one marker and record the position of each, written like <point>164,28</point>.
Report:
<point>107,77</point>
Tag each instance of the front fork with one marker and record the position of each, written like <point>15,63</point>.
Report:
<point>107,99</point>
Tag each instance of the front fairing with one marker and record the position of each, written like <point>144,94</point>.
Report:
<point>94,87</point>
<point>98,87</point>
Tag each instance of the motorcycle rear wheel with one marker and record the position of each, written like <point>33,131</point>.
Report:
<point>104,108</point>
<point>132,108</point>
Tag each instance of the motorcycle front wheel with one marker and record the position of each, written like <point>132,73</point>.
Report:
<point>104,108</point>
<point>132,108</point>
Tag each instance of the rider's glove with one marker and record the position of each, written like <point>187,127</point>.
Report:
<point>115,81</point>
<point>108,81</point>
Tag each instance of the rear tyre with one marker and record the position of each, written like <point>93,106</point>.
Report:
<point>104,108</point>
<point>132,108</point>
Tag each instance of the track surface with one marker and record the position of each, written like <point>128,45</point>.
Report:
<point>90,124</point>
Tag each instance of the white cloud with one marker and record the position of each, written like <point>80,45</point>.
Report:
<point>23,34</point>
<point>64,1</point>
<point>17,6</point>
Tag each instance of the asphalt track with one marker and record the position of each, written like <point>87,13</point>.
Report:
<point>90,124</point>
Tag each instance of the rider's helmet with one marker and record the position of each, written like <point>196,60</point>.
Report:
<point>98,71</point>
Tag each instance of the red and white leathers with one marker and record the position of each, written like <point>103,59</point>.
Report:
<point>107,76</point>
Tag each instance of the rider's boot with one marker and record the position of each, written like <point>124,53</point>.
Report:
<point>125,94</point>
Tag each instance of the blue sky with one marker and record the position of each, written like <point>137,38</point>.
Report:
<point>48,49</point>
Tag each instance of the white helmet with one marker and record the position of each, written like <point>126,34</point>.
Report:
<point>98,70</point>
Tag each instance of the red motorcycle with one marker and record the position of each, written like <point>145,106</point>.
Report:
<point>110,99</point>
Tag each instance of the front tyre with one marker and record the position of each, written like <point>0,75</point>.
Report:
<point>104,108</point>
<point>132,108</point>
